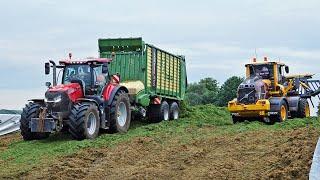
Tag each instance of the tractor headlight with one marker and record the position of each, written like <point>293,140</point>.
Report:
<point>57,99</point>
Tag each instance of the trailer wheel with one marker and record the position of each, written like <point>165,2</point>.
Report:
<point>157,113</point>
<point>30,111</point>
<point>282,113</point>
<point>84,121</point>
<point>120,113</point>
<point>303,108</point>
<point>174,111</point>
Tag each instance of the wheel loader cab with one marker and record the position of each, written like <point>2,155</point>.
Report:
<point>270,72</point>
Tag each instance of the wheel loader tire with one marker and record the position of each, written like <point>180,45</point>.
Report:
<point>158,113</point>
<point>236,119</point>
<point>120,113</point>
<point>84,121</point>
<point>282,113</point>
<point>303,108</point>
<point>174,111</point>
<point>30,111</point>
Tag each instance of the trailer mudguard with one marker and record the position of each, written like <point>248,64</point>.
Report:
<point>275,103</point>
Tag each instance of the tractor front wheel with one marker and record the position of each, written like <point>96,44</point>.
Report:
<point>84,121</point>
<point>30,111</point>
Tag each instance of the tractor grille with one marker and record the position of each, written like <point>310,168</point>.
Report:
<point>247,95</point>
<point>62,106</point>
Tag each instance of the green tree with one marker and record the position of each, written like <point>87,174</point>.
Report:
<point>203,92</point>
<point>228,90</point>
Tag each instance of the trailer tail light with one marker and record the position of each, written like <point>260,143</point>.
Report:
<point>156,101</point>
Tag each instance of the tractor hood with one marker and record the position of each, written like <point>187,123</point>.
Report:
<point>73,90</point>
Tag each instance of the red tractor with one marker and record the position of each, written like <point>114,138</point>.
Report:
<point>87,100</point>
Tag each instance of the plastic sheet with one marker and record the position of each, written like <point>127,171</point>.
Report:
<point>315,168</point>
<point>9,123</point>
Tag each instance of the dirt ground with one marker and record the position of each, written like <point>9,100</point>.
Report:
<point>284,154</point>
<point>8,139</point>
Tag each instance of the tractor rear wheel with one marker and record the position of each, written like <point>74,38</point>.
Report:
<point>158,113</point>
<point>120,113</point>
<point>84,121</point>
<point>30,111</point>
<point>282,113</point>
<point>303,108</point>
<point>174,111</point>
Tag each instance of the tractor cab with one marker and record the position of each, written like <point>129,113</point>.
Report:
<point>91,74</point>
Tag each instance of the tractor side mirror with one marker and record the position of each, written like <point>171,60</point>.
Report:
<point>105,69</point>
<point>47,68</point>
<point>287,69</point>
<point>48,84</point>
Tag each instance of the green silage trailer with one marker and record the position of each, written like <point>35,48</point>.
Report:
<point>156,79</point>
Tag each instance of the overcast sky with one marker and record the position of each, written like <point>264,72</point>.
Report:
<point>217,37</point>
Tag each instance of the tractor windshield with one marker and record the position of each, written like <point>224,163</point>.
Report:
<point>82,72</point>
<point>265,71</point>
<point>92,76</point>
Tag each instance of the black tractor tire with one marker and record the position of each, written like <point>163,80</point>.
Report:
<point>158,113</point>
<point>30,111</point>
<point>282,113</point>
<point>174,111</point>
<point>120,113</point>
<point>303,108</point>
<point>84,121</point>
<point>236,119</point>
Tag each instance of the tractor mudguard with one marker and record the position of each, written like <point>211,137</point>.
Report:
<point>114,91</point>
<point>109,96</point>
<point>293,103</point>
<point>275,103</point>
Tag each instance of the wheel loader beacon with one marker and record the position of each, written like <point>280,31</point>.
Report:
<point>270,95</point>
<point>130,79</point>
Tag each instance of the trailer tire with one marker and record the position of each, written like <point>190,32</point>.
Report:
<point>174,111</point>
<point>158,113</point>
<point>303,108</point>
<point>282,113</point>
<point>84,121</point>
<point>30,111</point>
<point>120,113</point>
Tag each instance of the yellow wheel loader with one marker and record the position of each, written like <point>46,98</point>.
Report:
<point>270,95</point>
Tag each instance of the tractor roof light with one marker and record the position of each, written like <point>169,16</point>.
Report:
<point>254,59</point>
<point>265,59</point>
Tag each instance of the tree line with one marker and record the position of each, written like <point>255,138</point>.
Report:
<point>208,91</point>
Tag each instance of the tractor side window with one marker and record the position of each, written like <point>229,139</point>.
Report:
<point>100,79</point>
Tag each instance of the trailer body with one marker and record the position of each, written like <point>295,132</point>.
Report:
<point>147,71</point>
